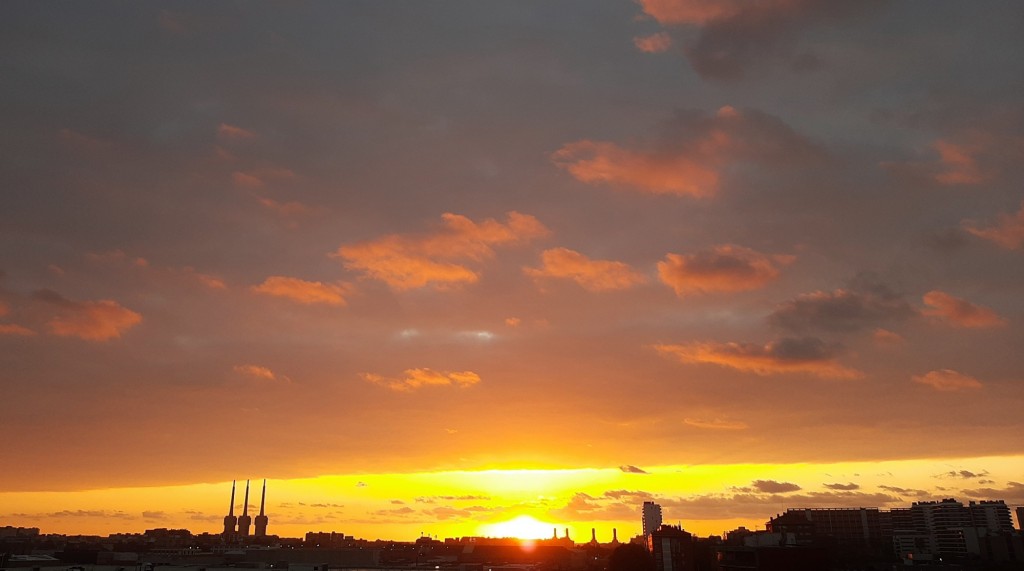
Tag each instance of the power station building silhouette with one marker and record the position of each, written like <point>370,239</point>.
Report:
<point>239,526</point>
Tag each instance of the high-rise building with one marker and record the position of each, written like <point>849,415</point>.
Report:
<point>672,548</point>
<point>993,515</point>
<point>230,520</point>
<point>943,522</point>
<point>1020,518</point>
<point>651,517</point>
<point>262,520</point>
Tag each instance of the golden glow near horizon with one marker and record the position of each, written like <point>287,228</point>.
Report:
<point>529,504</point>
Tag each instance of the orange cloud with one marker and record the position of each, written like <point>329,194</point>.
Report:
<point>948,380</point>
<point>417,378</point>
<point>789,355</point>
<point>407,262</point>
<point>232,132</point>
<point>654,43</point>
<point>690,11</point>
<point>657,173</point>
<point>886,337</point>
<point>291,208</point>
<point>688,161</point>
<point>724,268</point>
<point>303,291</point>
<point>593,275</point>
<point>259,372</point>
<point>90,320</point>
<point>15,329</point>
<point>716,424</point>
<point>1008,231</point>
<point>4,309</point>
<point>957,163</point>
<point>246,180</point>
<point>960,312</point>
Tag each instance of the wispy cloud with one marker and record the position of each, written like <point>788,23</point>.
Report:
<point>960,312</point>
<point>789,355</point>
<point>303,291</point>
<point>90,320</point>
<point>948,380</point>
<point>724,268</point>
<point>417,378</point>
<point>592,275</point>
<point>439,259</point>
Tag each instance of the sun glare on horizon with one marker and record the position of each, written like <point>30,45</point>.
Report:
<point>520,527</point>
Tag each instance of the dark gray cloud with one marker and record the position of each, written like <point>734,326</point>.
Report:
<point>865,304</point>
<point>843,487</point>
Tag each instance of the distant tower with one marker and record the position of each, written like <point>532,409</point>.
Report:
<point>651,517</point>
<point>615,536</point>
<point>230,520</point>
<point>593,536</point>
<point>262,520</point>
<point>244,521</point>
<point>567,533</point>
<point>556,534</point>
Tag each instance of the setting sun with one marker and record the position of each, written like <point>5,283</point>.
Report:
<point>521,527</point>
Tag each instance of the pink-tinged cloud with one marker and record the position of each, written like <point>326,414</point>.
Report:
<point>689,159</point>
<point>948,380</point>
<point>207,280</point>
<point>592,275</point>
<point>957,163</point>
<point>885,337</point>
<point>646,171</point>
<point>654,43</point>
<point>960,312</point>
<point>234,133</point>
<point>734,34</point>
<point>117,257</point>
<point>722,269</point>
<point>16,330</point>
<point>691,11</point>
<point>807,355</point>
<point>1008,231</point>
<point>303,291</point>
<point>4,309</point>
<point>438,259</point>
<point>90,320</point>
<point>259,373</point>
<point>417,378</point>
<point>513,321</point>
<point>288,209</point>
<point>246,180</point>
<point>715,424</point>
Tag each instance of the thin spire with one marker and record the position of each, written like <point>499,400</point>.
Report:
<point>231,509</point>
<point>245,507</point>
<point>263,500</point>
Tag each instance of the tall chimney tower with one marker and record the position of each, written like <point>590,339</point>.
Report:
<point>593,536</point>
<point>244,521</point>
<point>230,520</point>
<point>262,520</point>
<point>615,536</point>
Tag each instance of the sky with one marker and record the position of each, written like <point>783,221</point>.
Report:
<point>435,267</point>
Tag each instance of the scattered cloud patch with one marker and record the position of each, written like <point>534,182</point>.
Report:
<point>303,291</point>
<point>948,380</point>
<point>418,378</point>
<point>406,262</point>
<point>716,424</point>
<point>234,133</point>
<point>842,310</point>
<point>1007,232</point>
<point>960,312</point>
<point>843,487</point>
<point>90,320</point>
<point>724,268</point>
<point>691,156</point>
<point>15,330</point>
<point>630,469</point>
<point>654,43</point>
<point>789,355</point>
<point>592,275</point>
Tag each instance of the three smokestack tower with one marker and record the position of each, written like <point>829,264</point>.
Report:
<point>239,526</point>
